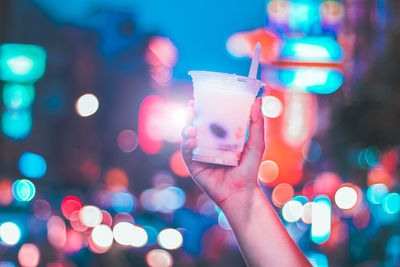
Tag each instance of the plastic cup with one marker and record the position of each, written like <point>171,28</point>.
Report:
<point>222,104</point>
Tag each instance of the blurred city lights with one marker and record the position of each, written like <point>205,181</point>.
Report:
<point>41,209</point>
<point>6,196</point>
<point>268,171</point>
<point>90,216</point>
<point>10,233</point>
<point>281,194</point>
<point>174,119</point>
<point>292,211</point>
<point>116,180</point>
<point>128,234</point>
<point>23,190</point>
<point>318,259</point>
<point>170,239</point>
<point>271,106</point>
<point>56,231</point>
<point>321,220</point>
<point>16,124</point>
<point>312,151</point>
<point>102,236</point>
<point>107,219</point>
<point>29,255</point>
<point>327,183</point>
<point>69,205</point>
<point>376,193</point>
<point>123,202</point>
<point>32,165</point>
<point>346,197</point>
<point>18,95</point>
<point>159,258</point>
<point>177,164</point>
<point>86,105</point>
<point>7,264</point>
<point>74,242</point>
<point>127,141</point>
<point>22,62</point>
<point>173,197</point>
<point>391,203</point>
<point>306,213</point>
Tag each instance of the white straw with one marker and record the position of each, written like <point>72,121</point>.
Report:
<point>255,61</point>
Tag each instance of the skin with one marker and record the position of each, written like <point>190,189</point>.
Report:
<point>262,238</point>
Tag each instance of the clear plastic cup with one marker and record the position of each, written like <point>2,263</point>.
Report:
<point>222,104</point>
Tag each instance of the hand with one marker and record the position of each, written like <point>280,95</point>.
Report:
<point>222,182</point>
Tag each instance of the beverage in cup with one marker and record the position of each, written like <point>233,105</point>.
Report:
<point>222,104</point>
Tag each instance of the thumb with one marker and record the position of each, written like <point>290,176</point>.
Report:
<point>255,145</point>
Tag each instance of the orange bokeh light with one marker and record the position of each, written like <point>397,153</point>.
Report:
<point>178,165</point>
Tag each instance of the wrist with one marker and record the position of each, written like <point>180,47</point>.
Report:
<point>242,201</point>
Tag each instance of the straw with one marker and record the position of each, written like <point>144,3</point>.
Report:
<point>255,61</point>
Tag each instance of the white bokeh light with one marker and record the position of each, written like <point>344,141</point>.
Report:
<point>10,233</point>
<point>90,216</point>
<point>87,105</point>
<point>102,236</point>
<point>170,239</point>
<point>346,197</point>
<point>128,234</point>
<point>271,106</point>
<point>292,211</point>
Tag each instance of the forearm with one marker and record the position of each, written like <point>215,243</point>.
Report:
<point>260,233</point>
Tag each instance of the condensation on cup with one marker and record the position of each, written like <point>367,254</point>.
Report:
<point>222,104</point>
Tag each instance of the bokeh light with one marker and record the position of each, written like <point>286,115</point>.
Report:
<point>87,105</point>
<point>32,165</point>
<point>178,165</point>
<point>69,205</point>
<point>23,190</point>
<point>271,106</point>
<point>281,194</point>
<point>151,235</point>
<point>90,216</point>
<point>173,120</point>
<point>376,193</point>
<point>223,221</point>
<point>306,213</point>
<point>16,124</point>
<point>312,151</point>
<point>127,141</point>
<point>346,197</point>
<point>74,242</point>
<point>10,233</point>
<point>128,234</point>
<point>391,203</point>
<point>56,231</point>
<point>268,171</point>
<point>172,197</point>
<point>170,239</point>
<point>321,219</point>
<point>123,202</point>
<point>41,209</point>
<point>18,96</point>
<point>292,211</point>
<point>29,255</point>
<point>159,258</point>
<point>6,196</point>
<point>7,264</point>
<point>116,179</point>
<point>102,236</point>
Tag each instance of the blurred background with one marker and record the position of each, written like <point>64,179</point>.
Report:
<point>93,97</point>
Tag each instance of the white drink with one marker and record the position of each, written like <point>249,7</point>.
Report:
<point>222,108</point>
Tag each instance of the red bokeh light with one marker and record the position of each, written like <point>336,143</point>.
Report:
<point>69,205</point>
<point>281,194</point>
<point>178,165</point>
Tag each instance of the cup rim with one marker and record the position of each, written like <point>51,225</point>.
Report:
<point>233,75</point>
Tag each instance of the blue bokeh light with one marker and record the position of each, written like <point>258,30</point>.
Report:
<point>32,165</point>
<point>123,202</point>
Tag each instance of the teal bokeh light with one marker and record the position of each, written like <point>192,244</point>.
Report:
<point>32,165</point>
<point>21,62</point>
<point>311,49</point>
<point>18,95</point>
<point>391,203</point>
<point>321,219</point>
<point>309,79</point>
<point>23,190</point>
<point>376,193</point>
<point>16,124</point>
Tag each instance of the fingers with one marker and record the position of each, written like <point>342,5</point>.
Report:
<point>188,134</point>
<point>254,147</point>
